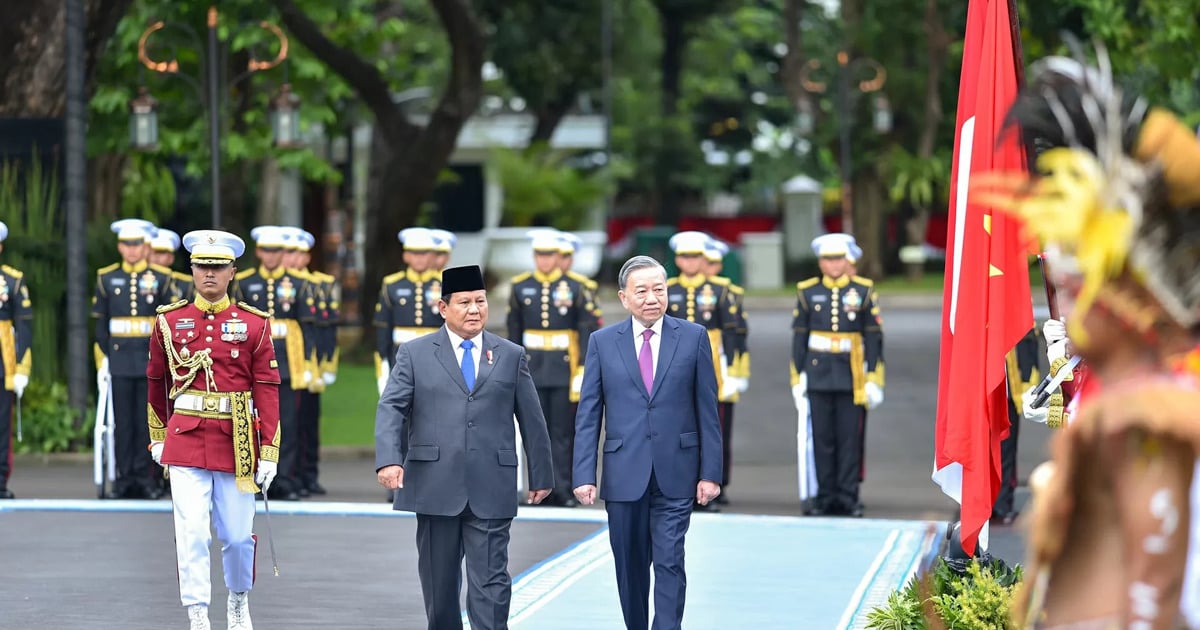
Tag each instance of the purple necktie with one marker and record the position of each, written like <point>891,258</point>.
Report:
<point>646,360</point>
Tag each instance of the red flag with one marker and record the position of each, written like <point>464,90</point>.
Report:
<point>987,306</point>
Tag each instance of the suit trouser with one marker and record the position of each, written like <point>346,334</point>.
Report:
<point>289,438</point>
<point>132,434</point>
<point>310,437</point>
<point>836,448</point>
<point>194,492</point>
<point>1008,464</point>
<point>650,530</point>
<point>442,543</point>
<point>6,436</point>
<point>556,406</point>
<point>726,415</point>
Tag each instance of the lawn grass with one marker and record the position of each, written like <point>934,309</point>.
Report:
<point>348,407</point>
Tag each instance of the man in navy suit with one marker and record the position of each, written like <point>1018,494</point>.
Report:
<point>651,378</point>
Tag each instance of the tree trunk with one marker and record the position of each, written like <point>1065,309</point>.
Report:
<point>548,119</point>
<point>106,178</point>
<point>674,40</point>
<point>33,47</point>
<point>793,61</point>
<point>937,44</point>
<point>870,202</point>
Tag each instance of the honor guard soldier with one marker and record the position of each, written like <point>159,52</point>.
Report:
<point>287,298</point>
<point>127,293</point>
<point>835,367</point>
<point>214,421</point>
<point>855,254</point>
<point>16,340</point>
<point>297,257</point>
<point>739,364</point>
<point>696,297</point>
<point>1021,368</point>
<point>551,316</point>
<point>407,306</point>
<point>444,242</point>
<point>570,245</point>
<point>162,253</point>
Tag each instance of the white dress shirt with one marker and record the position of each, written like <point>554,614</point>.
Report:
<point>655,341</point>
<point>476,352</point>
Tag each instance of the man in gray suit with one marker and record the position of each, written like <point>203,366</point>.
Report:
<point>445,442</point>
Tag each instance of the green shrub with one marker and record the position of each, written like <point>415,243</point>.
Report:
<point>978,599</point>
<point>46,420</point>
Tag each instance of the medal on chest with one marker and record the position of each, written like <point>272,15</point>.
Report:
<point>433,294</point>
<point>852,303</point>
<point>706,301</point>
<point>148,285</point>
<point>563,297</point>
<point>3,290</point>
<point>234,331</point>
<point>285,294</point>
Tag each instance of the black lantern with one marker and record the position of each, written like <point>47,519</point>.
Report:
<point>804,116</point>
<point>285,118</point>
<point>882,116</point>
<point>143,121</point>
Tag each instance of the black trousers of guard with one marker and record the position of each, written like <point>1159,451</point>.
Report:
<point>132,435</point>
<point>289,439</point>
<point>6,436</point>
<point>310,438</point>
<point>836,449</point>
<point>862,446</point>
<point>1008,464</point>
<point>560,422</point>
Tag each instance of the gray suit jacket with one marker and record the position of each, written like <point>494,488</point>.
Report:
<point>458,447</point>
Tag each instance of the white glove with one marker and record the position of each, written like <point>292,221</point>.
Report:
<point>577,383</point>
<point>102,375</point>
<point>728,387</point>
<point>266,474</point>
<point>307,377</point>
<point>800,391</point>
<point>381,383</point>
<point>1056,350</point>
<point>874,395</point>
<point>156,449</point>
<point>742,385</point>
<point>1054,330</point>
<point>329,378</point>
<point>1033,415</point>
<point>20,381</point>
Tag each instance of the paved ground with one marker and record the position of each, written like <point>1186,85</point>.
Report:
<point>899,451</point>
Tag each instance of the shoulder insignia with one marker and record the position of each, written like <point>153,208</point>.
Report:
<point>804,284</point>
<point>179,275</point>
<point>12,271</point>
<point>167,308</point>
<point>866,282</point>
<point>322,276</point>
<point>242,275</point>
<point>721,280</point>
<point>392,277</point>
<point>110,268</point>
<point>582,279</point>
<point>166,271</point>
<point>521,277</point>
<point>672,281</point>
<point>250,309</point>
<point>735,289</point>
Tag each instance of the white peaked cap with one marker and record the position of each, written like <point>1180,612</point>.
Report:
<point>269,236</point>
<point>689,242</point>
<point>444,240</point>
<point>545,239</point>
<point>165,241</point>
<point>213,247</point>
<point>835,244</point>
<point>133,229</point>
<point>418,239</point>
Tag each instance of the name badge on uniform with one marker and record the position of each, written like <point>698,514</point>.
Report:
<point>403,292</point>
<point>820,297</point>
<point>528,291</point>
<point>187,323</point>
<point>257,286</point>
<point>117,282</point>
<point>234,331</point>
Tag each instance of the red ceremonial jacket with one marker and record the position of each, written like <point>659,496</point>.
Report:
<point>243,366</point>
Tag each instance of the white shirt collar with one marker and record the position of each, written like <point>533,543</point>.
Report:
<point>456,341</point>
<point>638,328</point>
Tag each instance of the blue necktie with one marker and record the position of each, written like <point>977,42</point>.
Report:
<point>468,364</point>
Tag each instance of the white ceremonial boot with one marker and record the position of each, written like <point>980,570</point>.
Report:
<point>238,612</point>
<point>198,615</point>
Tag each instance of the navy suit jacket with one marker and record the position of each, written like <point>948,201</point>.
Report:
<point>672,430</point>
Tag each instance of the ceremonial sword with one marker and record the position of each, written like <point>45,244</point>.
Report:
<point>18,418</point>
<point>1041,394</point>
<point>266,502</point>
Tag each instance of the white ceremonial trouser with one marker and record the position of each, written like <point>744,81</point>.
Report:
<point>194,491</point>
<point>1189,600</point>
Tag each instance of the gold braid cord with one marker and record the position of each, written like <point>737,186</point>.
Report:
<point>243,442</point>
<point>187,362</point>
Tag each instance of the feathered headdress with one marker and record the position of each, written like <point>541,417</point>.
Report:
<point>1117,188</point>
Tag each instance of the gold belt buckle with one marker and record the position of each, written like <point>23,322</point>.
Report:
<point>212,403</point>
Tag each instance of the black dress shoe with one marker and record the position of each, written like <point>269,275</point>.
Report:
<point>856,511</point>
<point>569,503</point>
<point>1005,519</point>
<point>302,491</point>
<point>316,488</point>
<point>150,491</point>
<point>708,507</point>
<point>5,493</point>
<point>721,499</point>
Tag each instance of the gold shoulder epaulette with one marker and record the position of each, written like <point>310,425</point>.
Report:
<point>866,282</point>
<point>392,277</point>
<point>735,289</point>
<point>103,270</point>
<point>721,280</point>
<point>12,271</point>
<point>245,273</point>
<point>301,273</point>
<point>166,271</point>
<point>179,275</point>
<point>521,277</point>
<point>804,284</point>
<point>250,309</point>
<point>322,276</point>
<point>167,308</point>
<point>672,281</point>
<point>582,279</point>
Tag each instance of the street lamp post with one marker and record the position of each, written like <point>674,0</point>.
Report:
<point>143,121</point>
<point>845,98</point>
